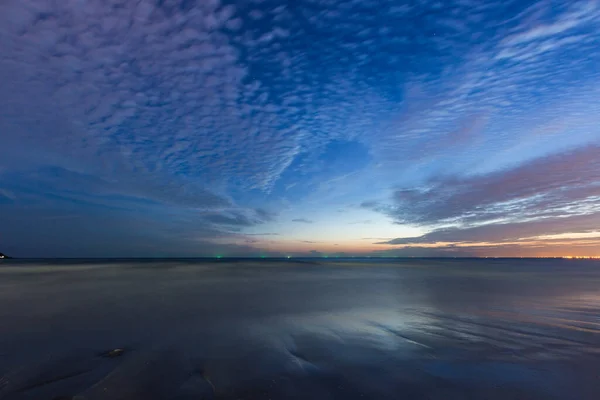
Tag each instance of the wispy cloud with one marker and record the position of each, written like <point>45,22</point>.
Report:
<point>555,194</point>
<point>362,222</point>
<point>7,196</point>
<point>502,232</point>
<point>580,13</point>
<point>303,221</point>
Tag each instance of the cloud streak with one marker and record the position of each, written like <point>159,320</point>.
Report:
<point>555,194</point>
<point>302,221</point>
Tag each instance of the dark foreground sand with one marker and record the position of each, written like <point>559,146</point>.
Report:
<point>422,329</point>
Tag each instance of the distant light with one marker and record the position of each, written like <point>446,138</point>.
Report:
<point>219,256</point>
<point>582,257</point>
<point>289,256</point>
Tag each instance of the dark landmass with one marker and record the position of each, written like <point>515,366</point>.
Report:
<point>3,256</point>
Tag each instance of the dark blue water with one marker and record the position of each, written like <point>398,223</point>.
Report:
<point>300,329</point>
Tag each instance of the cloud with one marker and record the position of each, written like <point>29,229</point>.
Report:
<point>7,197</point>
<point>303,220</point>
<point>150,89</point>
<point>7,194</point>
<point>580,13</point>
<point>57,181</point>
<point>470,107</point>
<point>175,94</point>
<point>554,194</point>
<point>495,250</point>
<point>163,96</point>
<point>75,214</point>
<point>445,251</point>
<point>109,231</point>
<point>237,218</point>
<point>265,215</point>
<point>362,222</point>
<point>501,232</point>
<point>199,111</point>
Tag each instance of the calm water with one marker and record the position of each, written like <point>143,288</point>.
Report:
<point>409,329</point>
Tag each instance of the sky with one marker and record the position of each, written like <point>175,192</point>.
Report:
<point>183,128</point>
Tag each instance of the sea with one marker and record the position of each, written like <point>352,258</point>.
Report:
<point>327,329</point>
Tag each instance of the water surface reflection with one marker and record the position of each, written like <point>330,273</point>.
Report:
<point>430,329</point>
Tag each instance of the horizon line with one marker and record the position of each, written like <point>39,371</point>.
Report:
<point>304,257</point>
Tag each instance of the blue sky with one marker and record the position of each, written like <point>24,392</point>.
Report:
<point>201,128</point>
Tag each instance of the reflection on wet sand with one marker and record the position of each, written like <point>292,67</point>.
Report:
<point>424,329</point>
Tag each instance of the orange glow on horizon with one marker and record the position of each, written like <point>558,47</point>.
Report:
<point>584,248</point>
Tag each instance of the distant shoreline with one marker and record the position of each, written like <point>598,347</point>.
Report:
<point>324,258</point>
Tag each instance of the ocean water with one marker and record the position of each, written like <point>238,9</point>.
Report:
<point>300,329</point>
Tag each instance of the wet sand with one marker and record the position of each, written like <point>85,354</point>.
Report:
<point>285,329</point>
